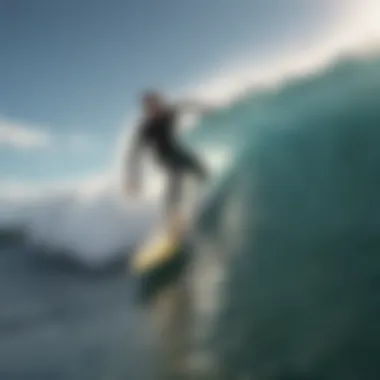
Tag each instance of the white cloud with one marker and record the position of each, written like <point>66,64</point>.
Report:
<point>22,135</point>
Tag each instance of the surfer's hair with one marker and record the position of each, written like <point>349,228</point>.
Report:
<point>149,95</point>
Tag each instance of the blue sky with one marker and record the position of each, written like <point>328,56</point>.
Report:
<point>71,70</point>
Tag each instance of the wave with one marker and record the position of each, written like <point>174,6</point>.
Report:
<point>296,226</point>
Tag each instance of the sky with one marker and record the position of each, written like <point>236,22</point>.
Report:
<point>71,71</point>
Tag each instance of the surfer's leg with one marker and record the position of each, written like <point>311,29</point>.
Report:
<point>173,207</point>
<point>199,169</point>
<point>174,191</point>
<point>179,166</point>
<point>193,165</point>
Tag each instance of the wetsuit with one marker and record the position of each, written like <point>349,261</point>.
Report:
<point>159,133</point>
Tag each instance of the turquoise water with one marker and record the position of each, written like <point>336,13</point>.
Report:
<point>301,293</point>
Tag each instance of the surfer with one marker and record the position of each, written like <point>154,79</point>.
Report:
<point>157,131</point>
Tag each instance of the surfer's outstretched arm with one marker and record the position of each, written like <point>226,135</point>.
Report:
<point>194,106</point>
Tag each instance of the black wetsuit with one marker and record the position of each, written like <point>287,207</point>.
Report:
<point>159,133</point>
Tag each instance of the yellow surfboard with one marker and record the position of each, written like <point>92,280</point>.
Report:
<point>159,250</point>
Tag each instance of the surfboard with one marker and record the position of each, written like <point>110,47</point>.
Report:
<point>159,249</point>
<point>164,245</point>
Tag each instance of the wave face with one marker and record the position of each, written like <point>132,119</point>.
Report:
<point>297,225</point>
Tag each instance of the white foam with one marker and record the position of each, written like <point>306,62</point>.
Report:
<point>93,229</point>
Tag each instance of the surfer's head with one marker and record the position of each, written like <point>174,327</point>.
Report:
<point>153,102</point>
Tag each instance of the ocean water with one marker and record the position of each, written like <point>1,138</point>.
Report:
<point>284,278</point>
<point>58,322</point>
